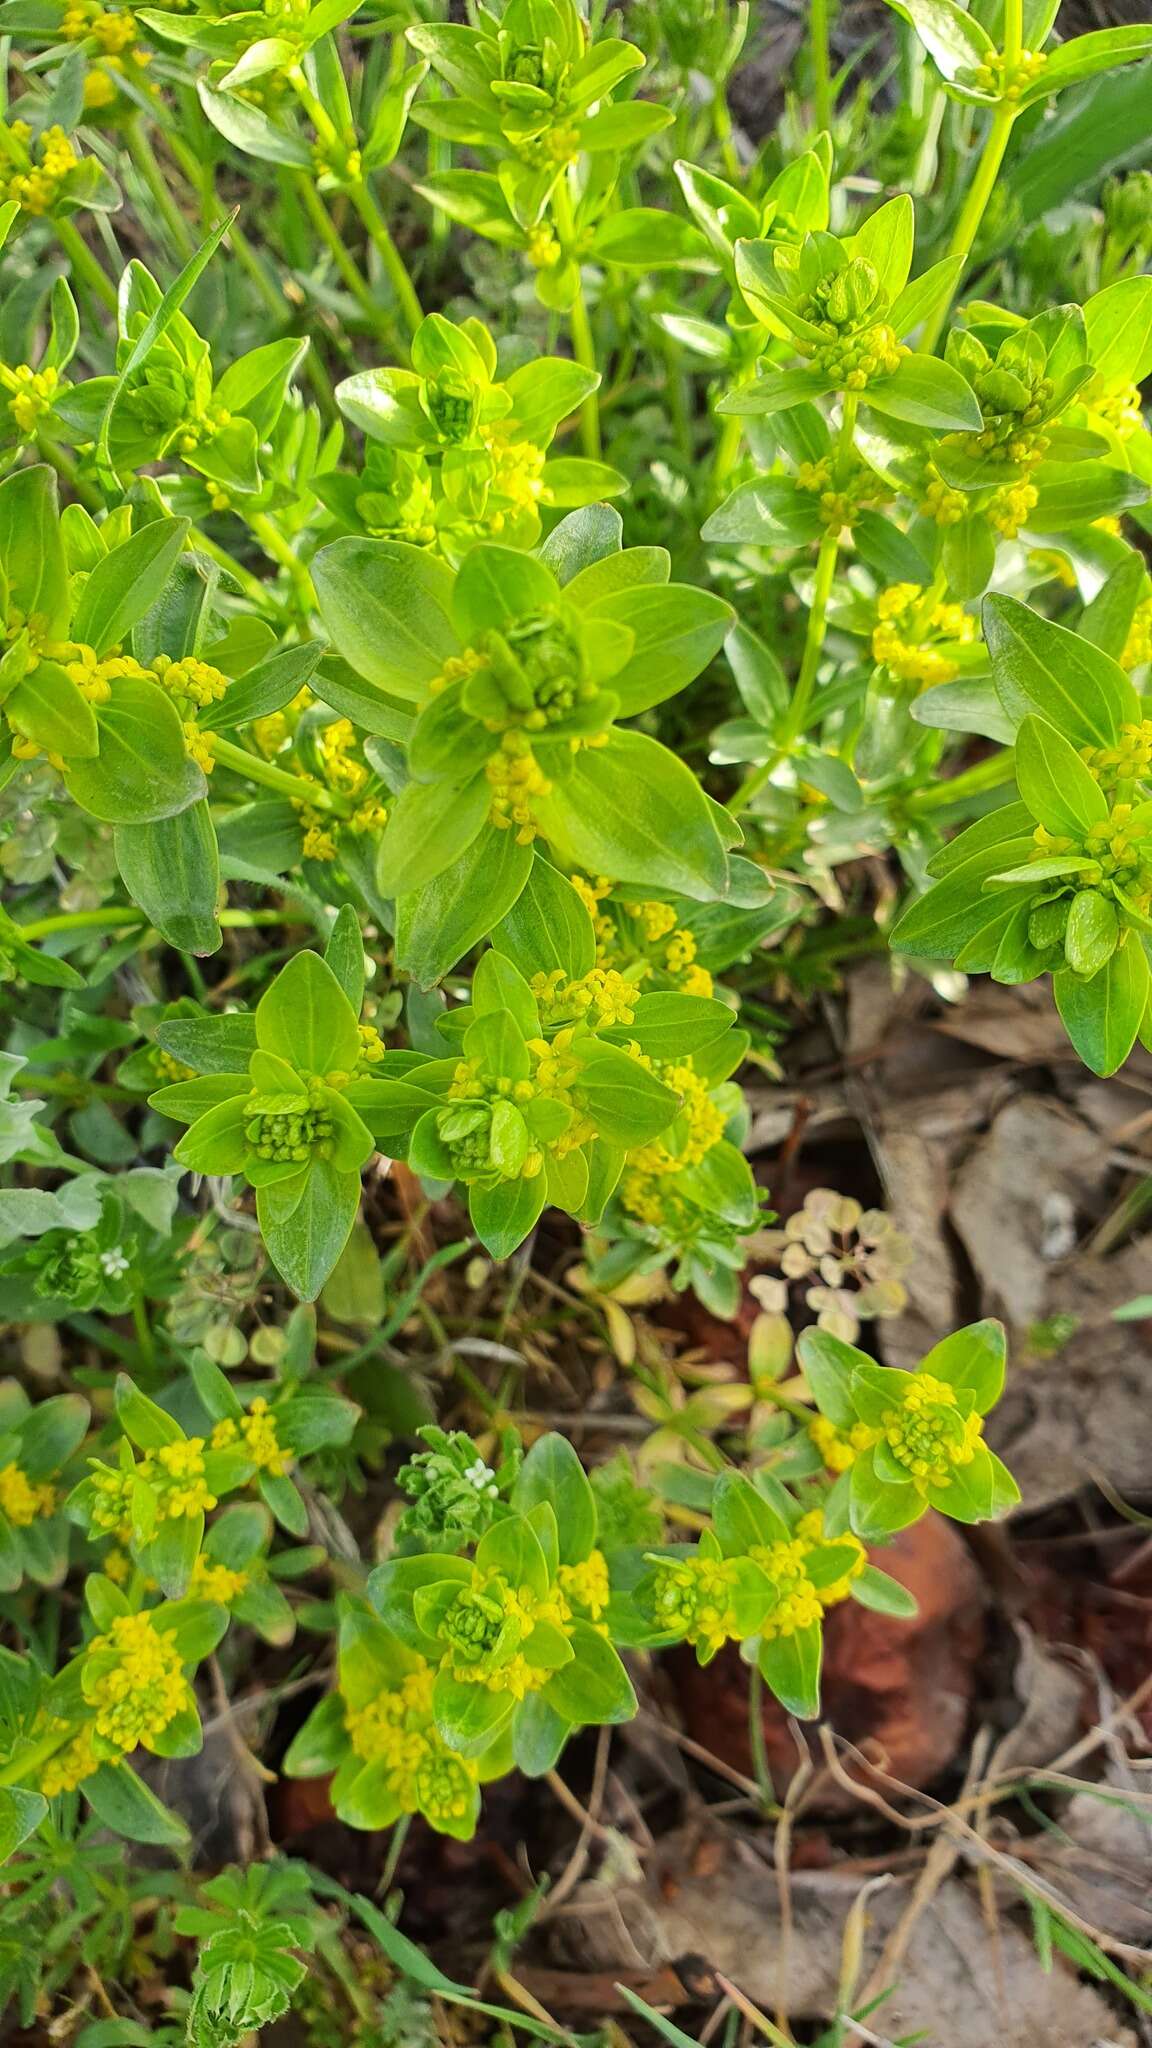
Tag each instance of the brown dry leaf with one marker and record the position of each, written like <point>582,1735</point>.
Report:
<point>1101,1861</point>
<point>1086,1410</point>
<point>957,1987</point>
<point>1016,1200</point>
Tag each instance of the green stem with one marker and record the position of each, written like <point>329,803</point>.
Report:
<point>85,265</point>
<point>798,709</point>
<point>143,1328</point>
<point>144,157</point>
<point>349,270</point>
<point>297,788</point>
<point>583,346</point>
<point>126,917</point>
<point>280,550</point>
<point>983,776</point>
<point>761,1770</point>
<point>972,212</point>
<point>26,1765</point>
<point>821,67</point>
<point>391,260</point>
<point>727,453</point>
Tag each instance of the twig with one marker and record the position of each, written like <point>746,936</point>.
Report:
<point>590,1824</point>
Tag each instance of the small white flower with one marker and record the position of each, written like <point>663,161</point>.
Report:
<point>114,1262</point>
<point>482,1477</point>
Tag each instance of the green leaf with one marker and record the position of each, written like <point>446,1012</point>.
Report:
<point>885,241</point>
<point>142,771</point>
<point>828,1364</point>
<point>790,1668</point>
<point>155,328</point>
<point>1092,933</point>
<point>771,511</point>
<point>21,1813</point>
<point>430,826</point>
<point>306,1226</point>
<point>31,549</point>
<point>267,688</point>
<point>667,1026</point>
<point>1103,1016</point>
<point>628,1105</point>
<point>676,631</point>
<point>632,810</point>
<point>743,1517</point>
<point>387,607</point>
<point>884,1594</point>
<point>539,1734</point>
<point>553,1473</point>
<point>878,1510</point>
<point>1041,667</point>
<point>594,1690</point>
<point>548,926</point>
<point>306,1018</point>
<point>213,1045</point>
<point>503,1215</point>
<point>926,393</point>
<point>953,38</point>
<point>344,954</point>
<point>126,583</point>
<point>438,924</point>
<point>648,238</point>
<point>1118,324</point>
<point>172,870</point>
<point>496,587</point>
<point>251,130</point>
<point>1083,56</point>
<point>1059,790</point>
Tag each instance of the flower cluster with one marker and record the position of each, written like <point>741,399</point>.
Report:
<point>457,453</point>
<point>43,170</point>
<point>919,634</point>
<point>852,1257</point>
<point>455,1493</point>
<point>906,1441</point>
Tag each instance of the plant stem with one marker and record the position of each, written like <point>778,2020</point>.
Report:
<point>144,157</point>
<point>345,263</point>
<point>583,346</point>
<point>756,1743</point>
<point>85,265</point>
<point>143,1329</point>
<point>821,67</point>
<point>825,572</point>
<point>126,917</point>
<point>983,776</point>
<point>727,453</point>
<point>297,788</point>
<point>393,263</point>
<point>26,1764</point>
<point>798,709</point>
<point>280,550</point>
<point>972,212</point>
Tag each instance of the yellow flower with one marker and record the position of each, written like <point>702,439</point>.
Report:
<point>21,1499</point>
<point>134,1678</point>
<point>70,1765</point>
<point>256,1429</point>
<point>177,1473</point>
<point>927,1436</point>
<point>585,1585</point>
<point>216,1581</point>
<point>840,1448</point>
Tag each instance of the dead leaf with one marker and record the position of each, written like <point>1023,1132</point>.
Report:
<point>956,1987</point>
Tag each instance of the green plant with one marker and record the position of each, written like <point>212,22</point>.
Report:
<point>506,589</point>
